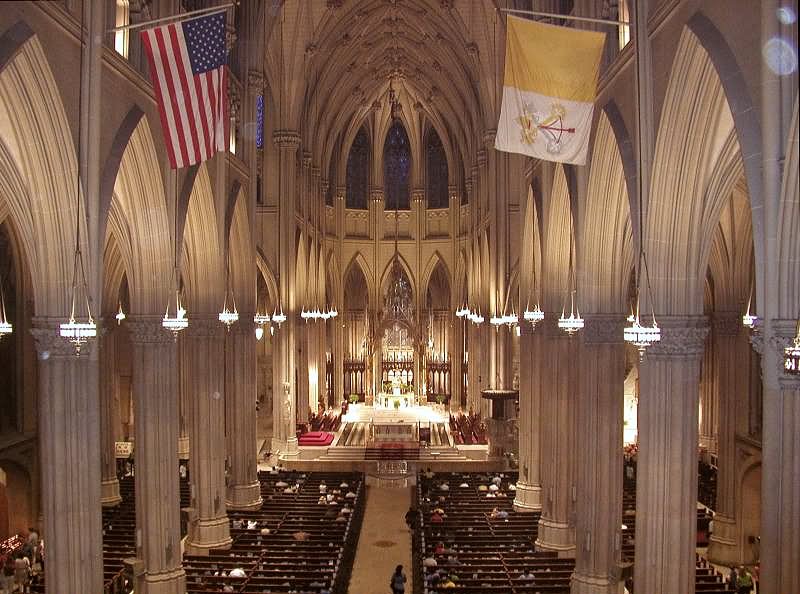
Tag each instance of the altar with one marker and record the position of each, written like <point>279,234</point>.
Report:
<point>396,400</point>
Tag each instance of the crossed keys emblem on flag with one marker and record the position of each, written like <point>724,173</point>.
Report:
<point>551,126</point>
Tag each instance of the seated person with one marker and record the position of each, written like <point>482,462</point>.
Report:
<point>439,549</point>
<point>526,575</point>
<point>252,524</point>
<point>436,518</point>
<point>237,572</point>
<point>429,561</point>
<point>237,523</point>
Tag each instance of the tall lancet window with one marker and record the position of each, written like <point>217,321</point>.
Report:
<point>357,171</point>
<point>435,171</point>
<point>396,167</point>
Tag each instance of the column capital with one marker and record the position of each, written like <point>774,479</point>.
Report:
<point>256,78</point>
<point>480,157</point>
<point>204,327</point>
<point>245,325</point>
<point>603,329</point>
<point>682,337</point>
<point>489,137</point>
<point>726,323</point>
<point>418,195</point>
<point>49,343</point>
<point>376,195</point>
<point>306,160</point>
<point>148,330</point>
<point>286,139</point>
<point>340,192</point>
<point>316,172</point>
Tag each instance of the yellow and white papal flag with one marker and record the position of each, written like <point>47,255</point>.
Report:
<point>548,91</point>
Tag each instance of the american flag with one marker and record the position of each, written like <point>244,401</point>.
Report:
<point>187,66</point>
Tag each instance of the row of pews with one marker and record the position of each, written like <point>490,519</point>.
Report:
<point>467,429</point>
<point>475,551</point>
<point>293,543</point>
<point>481,545</point>
<point>119,537</point>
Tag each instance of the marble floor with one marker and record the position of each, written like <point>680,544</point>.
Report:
<point>384,543</point>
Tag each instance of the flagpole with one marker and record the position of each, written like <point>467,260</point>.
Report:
<point>568,17</point>
<point>219,8</point>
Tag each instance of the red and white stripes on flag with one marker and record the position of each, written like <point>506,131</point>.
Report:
<point>189,74</point>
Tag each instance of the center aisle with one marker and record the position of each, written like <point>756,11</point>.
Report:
<point>384,542</point>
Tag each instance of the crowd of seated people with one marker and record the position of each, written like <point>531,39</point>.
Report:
<point>468,429</point>
<point>119,538</point>
<point>301,540</point>
<point>708,579</point>
<point>471,540</point>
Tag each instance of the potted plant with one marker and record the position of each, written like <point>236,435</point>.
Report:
<point>353,398</point>
<point>397,404</point>
<point>440,399</point>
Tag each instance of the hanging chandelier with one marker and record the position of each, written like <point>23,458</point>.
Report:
<point>175,320</point>
<point>574,322</point>
<point>462,311</point>
<point>791,354</point>
<point>749,320</point>
<point>5,325</point>
<point>641,336</point>
<point>120,314</point>
<point>534,316</point>
<point>228,316</point>
<point>260,321</point>
<point>76,331</point>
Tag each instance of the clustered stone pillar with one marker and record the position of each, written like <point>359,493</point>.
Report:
<point>207,436</point>
<point>732,383</point>
<point>244,491</point>
<point>557,374</point>
<point>666,486</point>
<point>780,513</point>
<point>184,389</point>
<point>109,415</point>
<point>155,389</point>
<point>529,488</point>
<point>599,455</point>
<point>69,450</point>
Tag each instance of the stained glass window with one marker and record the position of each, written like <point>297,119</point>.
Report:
<point>357,172</point>
<point>396,167</point>
<point>435,171</point>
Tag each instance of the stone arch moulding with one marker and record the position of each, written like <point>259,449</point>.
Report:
<point>359,260</point>
<point>38,156</point>
<point>268,275</point>
<point>435,259</point>
<point>747,125</point>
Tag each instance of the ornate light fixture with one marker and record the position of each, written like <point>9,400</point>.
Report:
<point>462,311</point>
<point>5,325</point>
<point>260,321</point>
<point>749,320</point>
<point>791,354</point>
<point>574,322</point>
<point>535,315</point>
<point>177,322</point>
<point>637,334</point>
<point>278,317</point>
<point>120,314</point>
<point>76,331</point>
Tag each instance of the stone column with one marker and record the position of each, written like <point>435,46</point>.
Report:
<point>559,384</point>
<point>529,487</point>
<point>205,343</point>
<point>708,400</point>
<point>666,486</point>
<point>599,477</point>
<point>244,490</point>
<point>780,502</point>
<point>283,370</point>
<point>732,383</point>
<point>109,417</point>
<point>155,389</point>
<point>184,391</point>
<point>69,451</point>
